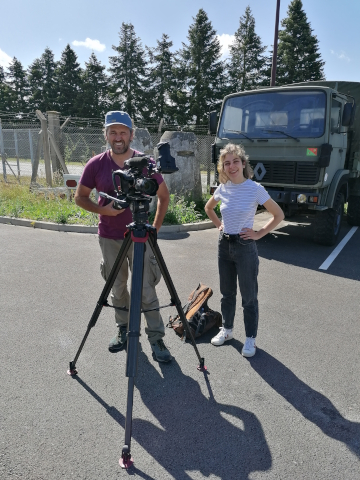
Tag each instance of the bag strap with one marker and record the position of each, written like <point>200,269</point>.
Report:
<point>202,296</point>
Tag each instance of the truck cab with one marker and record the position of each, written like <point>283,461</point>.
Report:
<point>302,146</point>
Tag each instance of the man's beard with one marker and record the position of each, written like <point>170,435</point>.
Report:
<point>120,149</point>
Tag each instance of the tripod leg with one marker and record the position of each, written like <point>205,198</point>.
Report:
<point>133,344</point>
<point>174,297</point>
<point>103,298</point>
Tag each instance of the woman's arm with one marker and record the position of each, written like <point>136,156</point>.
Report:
<point>278,215</point>
<point>209,210</point>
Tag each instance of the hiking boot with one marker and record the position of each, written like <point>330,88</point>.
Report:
<point>118,343</point>
<point>224,335</point>
<point>249,348</point>
<point>160,352</point>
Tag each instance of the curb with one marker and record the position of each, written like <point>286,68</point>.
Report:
<point>187,227</point>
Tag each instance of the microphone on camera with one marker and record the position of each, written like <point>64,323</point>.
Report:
<point>137,162</point>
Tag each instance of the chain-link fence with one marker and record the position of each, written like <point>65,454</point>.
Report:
<point>78,139</point>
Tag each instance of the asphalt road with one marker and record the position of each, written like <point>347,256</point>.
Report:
<point>290,412</point>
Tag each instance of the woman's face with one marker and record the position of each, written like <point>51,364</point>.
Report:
<point>234,168</point>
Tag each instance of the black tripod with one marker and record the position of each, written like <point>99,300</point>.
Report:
<point>138,232</point>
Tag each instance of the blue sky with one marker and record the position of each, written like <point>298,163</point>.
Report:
<point>28,27</point>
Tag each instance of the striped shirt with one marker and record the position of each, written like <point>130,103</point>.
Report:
<point>239,202</point>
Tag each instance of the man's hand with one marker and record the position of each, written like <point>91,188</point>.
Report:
<point>83,200</point>
<point>110,211</point>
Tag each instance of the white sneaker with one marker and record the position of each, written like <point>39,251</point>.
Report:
<point>224,335</point>
<point>249,347</point>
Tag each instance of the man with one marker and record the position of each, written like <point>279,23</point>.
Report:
<point>112,226</point>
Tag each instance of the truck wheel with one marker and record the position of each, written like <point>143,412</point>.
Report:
<point>353,211</point>
<point>328,223</point>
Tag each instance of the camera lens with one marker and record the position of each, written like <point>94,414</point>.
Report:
<point>147,186</point>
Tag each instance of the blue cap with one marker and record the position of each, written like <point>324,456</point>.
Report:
<point>121,118</point>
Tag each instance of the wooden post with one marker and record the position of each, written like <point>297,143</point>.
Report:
<point>161,125</point>
<point>37,158</point>
<point>31,148</point>
<point>44,130</point>
<point>54,128</point>
<point>57,151</point>
<point>2,147</point>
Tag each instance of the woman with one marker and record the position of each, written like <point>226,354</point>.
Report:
<point>237,251</point>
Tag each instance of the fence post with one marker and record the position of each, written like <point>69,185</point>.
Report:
<point>54,129</point>
<point>45,138</point>
<point>17,152</point>
<point>2,147</point>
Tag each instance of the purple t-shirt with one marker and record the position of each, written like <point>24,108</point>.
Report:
<point>98,174</point>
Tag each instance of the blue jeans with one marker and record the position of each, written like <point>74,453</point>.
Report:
<point>238,261</point>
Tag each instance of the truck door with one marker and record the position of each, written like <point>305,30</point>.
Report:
<point>337,140</point>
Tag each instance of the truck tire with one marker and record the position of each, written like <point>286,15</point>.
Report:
<point>328,223</point>
<point>353,211</point>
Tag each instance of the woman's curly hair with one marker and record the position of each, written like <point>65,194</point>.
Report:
<point>239,151</point>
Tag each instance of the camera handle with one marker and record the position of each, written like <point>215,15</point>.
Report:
<point>138,234</point>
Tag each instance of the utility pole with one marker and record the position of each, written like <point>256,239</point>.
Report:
<point>276,35</point>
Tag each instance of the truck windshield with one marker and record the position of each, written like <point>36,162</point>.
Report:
<point>295,113</point>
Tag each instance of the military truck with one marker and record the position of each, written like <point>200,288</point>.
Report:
<point>303,142</point>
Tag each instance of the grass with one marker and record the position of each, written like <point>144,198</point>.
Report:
<point>18,201</point>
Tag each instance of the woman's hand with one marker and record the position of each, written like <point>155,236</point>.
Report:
<point>249,234</point>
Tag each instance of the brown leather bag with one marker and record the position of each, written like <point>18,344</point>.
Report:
<point>198,314</point>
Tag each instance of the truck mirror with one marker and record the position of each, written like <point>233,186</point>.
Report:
<point>348,115</point>
<point>213,122</point>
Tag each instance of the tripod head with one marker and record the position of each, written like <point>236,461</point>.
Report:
<point>134,187</point>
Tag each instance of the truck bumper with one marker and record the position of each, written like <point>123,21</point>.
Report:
<point>291,197</point>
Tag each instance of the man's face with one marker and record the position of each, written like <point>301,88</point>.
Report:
<point>119,138</point>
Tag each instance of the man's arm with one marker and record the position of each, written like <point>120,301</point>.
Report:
<point>83,200</point>
<point>162,205</point>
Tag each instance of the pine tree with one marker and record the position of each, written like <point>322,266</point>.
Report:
<point>17,82</point>
<point>247,60</point>
<point>128,81</point>
<point>161,80</point>
<point>298,59</point>
<point>36,85</point>
<point>201,72</point>
<point>68,77</point>
<point>50,83</point>
<point>92,101</point>
<point>5,100</point>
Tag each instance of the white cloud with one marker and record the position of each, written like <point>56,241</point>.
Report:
<point>92,44</point>
<point>5,59</point>
<point>342,55</point>
<point>225,41</point>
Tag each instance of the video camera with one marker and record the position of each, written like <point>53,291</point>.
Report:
<point>134,185</point>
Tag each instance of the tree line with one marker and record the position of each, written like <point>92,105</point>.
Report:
<point>152,83</point>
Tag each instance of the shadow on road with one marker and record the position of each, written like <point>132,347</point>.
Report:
<point>196,433</point>
<point>312,405</point>
<point>293,244</point>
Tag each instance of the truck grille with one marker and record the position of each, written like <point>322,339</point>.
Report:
<point>288,173</point>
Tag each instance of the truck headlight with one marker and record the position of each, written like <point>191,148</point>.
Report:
<point>301,198</point>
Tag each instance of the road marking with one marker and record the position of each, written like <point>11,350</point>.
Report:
<point>337,250</point>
